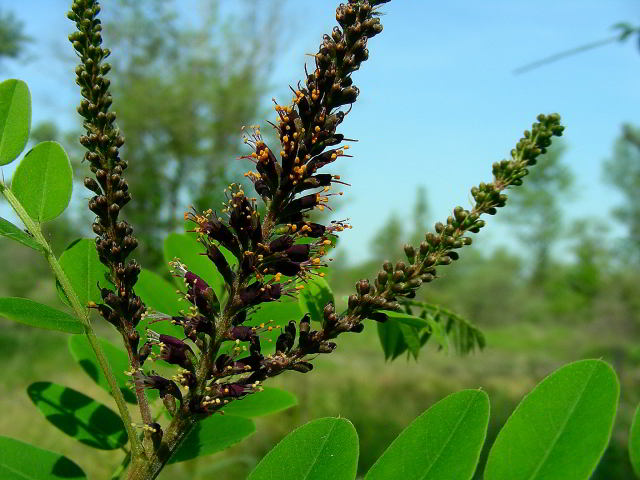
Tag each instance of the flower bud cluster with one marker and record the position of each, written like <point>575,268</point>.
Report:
<point>115,239</point>
<point>440,248</point>
<point>307,127</point>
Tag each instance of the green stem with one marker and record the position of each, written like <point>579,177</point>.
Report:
<point>80,311</point>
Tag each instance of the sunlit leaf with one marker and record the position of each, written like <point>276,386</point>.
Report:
<point>9,230</point>
<point>15,119</point>
<point>213,434</point>
<point>82,267</point>
<point>443,443</point>
<point>43,181</point>
<point>21,461</point>
<point>78,416</point>
<point>314,297</point>
<point>270,400</point>
<point>319,450</point>
<point>159,295</point>
<point>82,353</point>
<point>561,429</point>
<point>35,314</point>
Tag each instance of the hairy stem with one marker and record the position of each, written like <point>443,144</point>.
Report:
<point>173,437</point>
<point>80,311</point>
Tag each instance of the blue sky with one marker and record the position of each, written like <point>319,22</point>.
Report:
<point>439,102</point>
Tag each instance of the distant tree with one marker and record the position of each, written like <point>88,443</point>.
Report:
<point>181,91</point>
<point>390,238</point>
<point>44,131</point>
<point>622,171</point>
<point>387,241</point>
<point>421,214</point>
<point>536,210</point>
<point>12,38</point>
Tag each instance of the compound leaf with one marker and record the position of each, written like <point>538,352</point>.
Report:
<point>43,181</point>
<point>78,416</point>
<point>15,119</point>
<point>322,449</point>
<point>441,444</point>
<point>9,230</point>
<point>82,353</point>
<point>22,461</point>
<point>561,429</point>
<point>35,314</point>
<point>212,435</point>
<point>270,400</point>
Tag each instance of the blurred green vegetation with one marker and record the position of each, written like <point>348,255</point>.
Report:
<point>566,292</point>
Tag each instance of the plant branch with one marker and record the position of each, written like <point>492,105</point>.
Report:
<point>80,311</point>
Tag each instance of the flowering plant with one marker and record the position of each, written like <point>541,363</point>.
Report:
<point>252,274</point>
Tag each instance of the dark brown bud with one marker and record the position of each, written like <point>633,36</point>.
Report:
<point>353,301</point>
<point>302,367</point>
<point>362,287</point>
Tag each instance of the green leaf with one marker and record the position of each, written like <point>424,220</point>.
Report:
<point>443,443</point>
<point>21,461</point>
<point>9,230</point>
<point>400,332</point>
<point>78,416</point>
<point>15,119</point>
<point>212,435</point>
<point>464,335</point>
<point>391,339</point>
<point>276,314</point>
<point>450,328</point>
<point>189,251</point>
<point>159,295</point>
<point>43,181</point>
<point>634,442</point>
<point>411,337</point>
<point>319,450</point>
<point>314,297</point>
<point>270,400</point>
<point>406,319</point>
<point>437,333</point>
<point>118,359</point>
<point>35,314</point>
<point>561,429</point>
<point>82,266</point>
